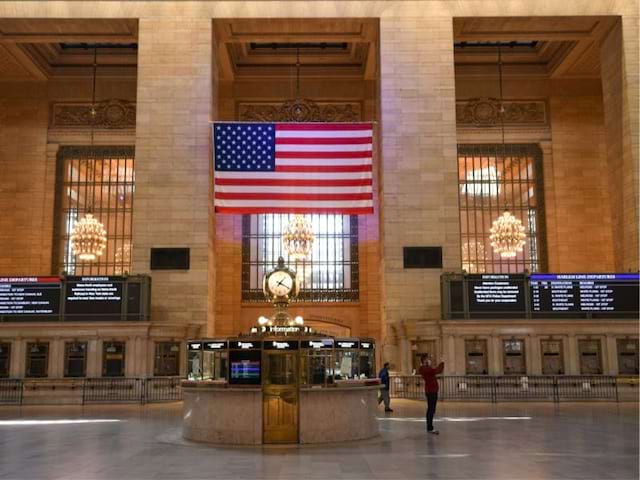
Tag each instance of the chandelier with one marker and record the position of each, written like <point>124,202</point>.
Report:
<point>88,239</point>
<point>298,237</point>
<point>473,257</point>
<point>507,235</point>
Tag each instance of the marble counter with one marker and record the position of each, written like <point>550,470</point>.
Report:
<point>215,413</point>
<point>222,415</point>
<point>338,414</point>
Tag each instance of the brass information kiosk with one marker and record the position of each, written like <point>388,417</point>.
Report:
<point>282,382</point>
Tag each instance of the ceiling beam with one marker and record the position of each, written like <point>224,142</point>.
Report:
<point>36,67</point>
<point>67,38</point>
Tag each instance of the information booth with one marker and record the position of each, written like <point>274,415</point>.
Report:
<point>303,380</point>
<point>284,383</point>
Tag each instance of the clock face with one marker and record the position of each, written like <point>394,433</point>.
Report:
<point>280,283</point>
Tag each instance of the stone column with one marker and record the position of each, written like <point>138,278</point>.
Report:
<point>419,187</point>
<point>619,73</point>
<point>17,358</point>
<point>572,360</point>
<point>609,355</point>
<point>172,161</point>
<point>494,364</point>
<point>56,358</point>
<point>460,356</point>
<point>449,355</point>
<point>533,355</point>
<point>94,358</point>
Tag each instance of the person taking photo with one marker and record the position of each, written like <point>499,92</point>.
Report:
<point>429,373</point>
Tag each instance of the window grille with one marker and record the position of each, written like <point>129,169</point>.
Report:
<point>492,179</point>
<point>329,275</point>
<point>101,181</point>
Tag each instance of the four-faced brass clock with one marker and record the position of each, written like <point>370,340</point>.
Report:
<point>280,285</point>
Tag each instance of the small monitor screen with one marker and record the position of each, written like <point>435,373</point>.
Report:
<point>245,367</point>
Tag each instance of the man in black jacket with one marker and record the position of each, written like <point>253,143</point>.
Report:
<point>384,392</point>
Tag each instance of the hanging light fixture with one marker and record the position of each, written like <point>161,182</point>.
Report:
<point>298,237</point>
<point>507,234</point>
<point>89,238</point>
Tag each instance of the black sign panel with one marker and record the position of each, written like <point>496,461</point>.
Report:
<point>318,344</point>
<point>33,297</point>
<point>246,344</point>
<point>282,344</point>
<point>501,293</point>
<point>194,346</point>
<point>94,296</point>
<point>584,293</point>
<point>366,344</point>
<point>215,345</point>
<point>347,343</point>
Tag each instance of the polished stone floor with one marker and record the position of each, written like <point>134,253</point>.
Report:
<point>504,441</point>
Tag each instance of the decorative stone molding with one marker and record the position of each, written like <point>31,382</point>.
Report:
<point>485,112</point>
<point>110,114</point>
<point>302,110</point>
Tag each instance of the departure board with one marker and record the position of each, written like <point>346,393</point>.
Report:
<point>584,293</point>
<point>501,293</point>
<point>37,297</point>
<point>94,296</point>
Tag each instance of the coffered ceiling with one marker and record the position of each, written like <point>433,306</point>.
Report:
<point>250,48</point>
<point>553,47</point>
<point>37,49</point>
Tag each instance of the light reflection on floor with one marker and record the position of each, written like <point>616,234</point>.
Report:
<point>504,441</point>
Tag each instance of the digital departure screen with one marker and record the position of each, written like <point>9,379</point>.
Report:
<point>33,297</point>
<point>496,293</point>
<point>584,293</point>
<point>245,367</point>
<point>93,296</point>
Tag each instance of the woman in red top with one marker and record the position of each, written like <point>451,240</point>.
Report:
<point>430,389</point>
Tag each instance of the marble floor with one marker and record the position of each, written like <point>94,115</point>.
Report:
<point>504,441</point>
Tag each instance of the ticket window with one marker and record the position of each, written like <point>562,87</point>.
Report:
<point>367,359</point>
<point>513,357</point>
<point>552,357</point>
<point>476,357</point>
<point>5,359</point>
<point>75,359</point>
<point>194,360</point>
<point>590,357</point>
<point>215,364</point>
<point>167,360</point>
<point>316,367</point>
<point>37,364</point>
<point>346,360</point>
<point>627,356</point>
<point>113,358</point>
<point>427,348</point>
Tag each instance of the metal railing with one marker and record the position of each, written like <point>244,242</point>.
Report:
<point>493,388</point>
<point>10,391</point>
<point>91,390</point>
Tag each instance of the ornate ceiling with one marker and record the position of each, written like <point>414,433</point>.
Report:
<point>37,49</point>
<point>561,47</point>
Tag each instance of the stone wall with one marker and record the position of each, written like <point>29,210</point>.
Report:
<point>579,229</point>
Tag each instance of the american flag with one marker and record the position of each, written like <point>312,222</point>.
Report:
<point>293,167</point>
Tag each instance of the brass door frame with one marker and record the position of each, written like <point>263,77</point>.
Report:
<point>280,391</point>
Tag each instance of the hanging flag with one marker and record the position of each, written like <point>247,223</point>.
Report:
<point>293,167</point>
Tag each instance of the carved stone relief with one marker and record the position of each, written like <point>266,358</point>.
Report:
<point>485,112</point>
<point>302,110</point>
<point>110,114</point>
